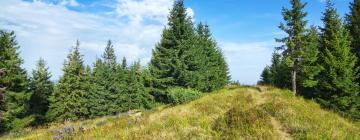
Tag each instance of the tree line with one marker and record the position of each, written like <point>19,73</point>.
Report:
<point>321,63</point>
<point>186,57</point>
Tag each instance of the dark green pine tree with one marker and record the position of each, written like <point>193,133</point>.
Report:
<point>14,113</point>
<point>278,73</point>
<point>137,97</point>
<point>109,56</point>
<point>223,71</point>
<point>42,87</point>
<point>203,66</point>
<point>124,63</point>
<point>337,87</point>
<point>69,99</point>
<point>308,64</point>
<point>15,79</point>
<point>91,87</point>
<point>266,77</point>
<point>108,80</point>
<point>212,70</point>
<point>353,25</point>
<point>167,66</point>
<point>294,27</point>
<point>114,78</point>
<point>98,103</point>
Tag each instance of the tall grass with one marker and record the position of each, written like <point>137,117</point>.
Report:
<point>232,113</point>
<point>304,119</point>
<point>189,121</point>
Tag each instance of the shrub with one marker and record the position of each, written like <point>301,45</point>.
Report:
<point>182,95</point>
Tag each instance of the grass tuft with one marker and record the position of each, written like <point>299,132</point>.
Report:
<point>232,113</point>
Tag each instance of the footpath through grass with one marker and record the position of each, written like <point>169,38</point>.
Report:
<point>232,113</point>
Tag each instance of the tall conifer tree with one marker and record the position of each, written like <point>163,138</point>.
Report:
<point>353,25</point>
<point>308,66</point>
<point>167,66</point>
<point>337,86</point>
<point>15,110</point>
<point>124,63</point>
<point>98,94</point>
<point>207,69</point>
<point>294,27</point>
<point>266,77</point>
<point>109,85</point>
<point>277,74</point>
<point>69,99</point>
<point>41,87</point>
<point>214,67</point>
<point>137,97</point>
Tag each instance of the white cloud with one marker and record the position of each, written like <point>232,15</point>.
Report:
<point>72,3</point>
<point>190,13</point>
<point>49,30</point>
<point>137,10</point>
<point>140,10</point>
<point>247,60</point>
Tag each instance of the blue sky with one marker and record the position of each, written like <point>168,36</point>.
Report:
<point>244,29</point>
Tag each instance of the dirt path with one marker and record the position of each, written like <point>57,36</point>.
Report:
<point>284,135</point>
<point>280,130</point>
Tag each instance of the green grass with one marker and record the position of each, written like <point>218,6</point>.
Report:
<point>231,113</point>
<point>304,119</point>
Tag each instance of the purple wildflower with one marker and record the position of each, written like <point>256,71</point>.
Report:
<point>69,129</point>
<point>57,137</point>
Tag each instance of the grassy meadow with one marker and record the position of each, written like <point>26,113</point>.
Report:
<point>231,113</point>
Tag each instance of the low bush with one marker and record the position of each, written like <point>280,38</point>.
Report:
<point>182,95</point>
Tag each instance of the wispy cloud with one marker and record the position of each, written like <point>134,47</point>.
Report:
<point>73,3</point>
<point>48,30</point>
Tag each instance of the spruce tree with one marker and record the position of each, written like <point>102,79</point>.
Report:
<point>206,67</point>
<point>41,87</point>
<point>308,66</point>
<point>353,25</point>
<point>221,70</point>
<point>137,97</point>
<point>15,79</point>
<point>113,80</point>
<point>294,27</point>
<point>167,66</point>
<point>109,86</point>
<point>69,99</point>
<point>212,62</point>
<point>337,87</point>
<point>266,77</point>
<point>98,103</point>
<point>109,56</point>
<point>14,84</point>
<point>124,63</point>
<point>280,73</point>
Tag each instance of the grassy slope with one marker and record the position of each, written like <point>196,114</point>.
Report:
<point>237,113</point>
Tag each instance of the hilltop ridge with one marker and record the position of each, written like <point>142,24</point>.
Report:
<point>231,113</point>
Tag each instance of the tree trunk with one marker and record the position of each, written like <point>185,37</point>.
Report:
<point>293,77</point>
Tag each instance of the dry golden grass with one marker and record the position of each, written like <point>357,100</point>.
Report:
<point>231,113</point>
